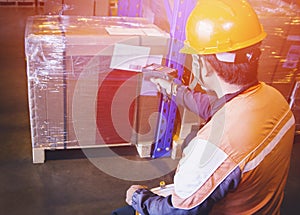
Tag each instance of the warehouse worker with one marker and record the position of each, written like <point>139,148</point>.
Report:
<point>239,160</point>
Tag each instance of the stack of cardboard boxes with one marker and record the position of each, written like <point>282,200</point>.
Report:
<point>84,79</point>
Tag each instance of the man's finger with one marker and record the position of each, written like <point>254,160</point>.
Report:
<point>154,80</point>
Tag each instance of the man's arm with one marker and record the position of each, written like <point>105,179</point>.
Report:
<point>146,202</point>
<point>197,102</point>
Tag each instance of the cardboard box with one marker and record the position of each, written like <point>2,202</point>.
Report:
<point>83,78</point>
<point>102,8</point>
<point>77,7</point>
<point>156,12</point>
<point>52,7</point>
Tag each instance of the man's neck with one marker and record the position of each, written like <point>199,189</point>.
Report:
<point>225,88</point>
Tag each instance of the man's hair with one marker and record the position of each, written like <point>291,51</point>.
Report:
<point>243,70</point>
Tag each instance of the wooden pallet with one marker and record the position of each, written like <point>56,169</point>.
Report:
<point>39,154</point>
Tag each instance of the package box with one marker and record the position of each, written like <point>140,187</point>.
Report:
<point>52,7</point>
<point>72,62</point>
<point>156,12</point>
<point>102,8</point>
<point>77,7</point>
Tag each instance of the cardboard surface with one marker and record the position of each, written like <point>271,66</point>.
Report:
<point>77,7</point>
<point>77,98</point>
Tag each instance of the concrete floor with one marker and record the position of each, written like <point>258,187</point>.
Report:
<point>67,183</point>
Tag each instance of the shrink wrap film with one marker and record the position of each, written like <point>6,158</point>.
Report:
<point>84,77</point>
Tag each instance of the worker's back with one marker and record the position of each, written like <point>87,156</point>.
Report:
<point>259,130</point>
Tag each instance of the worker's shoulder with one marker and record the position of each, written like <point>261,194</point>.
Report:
<point>263,93</point>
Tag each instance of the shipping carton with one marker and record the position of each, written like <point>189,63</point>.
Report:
<point>84,78</point>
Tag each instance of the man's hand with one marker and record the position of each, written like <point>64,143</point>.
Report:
<point>130,192</point>
<point>162,84</point>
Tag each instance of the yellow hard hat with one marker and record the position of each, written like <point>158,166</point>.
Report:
<point>216,26</point>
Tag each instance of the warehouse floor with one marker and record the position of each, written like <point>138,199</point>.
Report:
<point>67,183</point>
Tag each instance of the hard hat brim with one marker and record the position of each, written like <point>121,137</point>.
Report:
<point>187,49</point>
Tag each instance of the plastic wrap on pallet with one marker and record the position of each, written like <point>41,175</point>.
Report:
<point>84,78</point>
